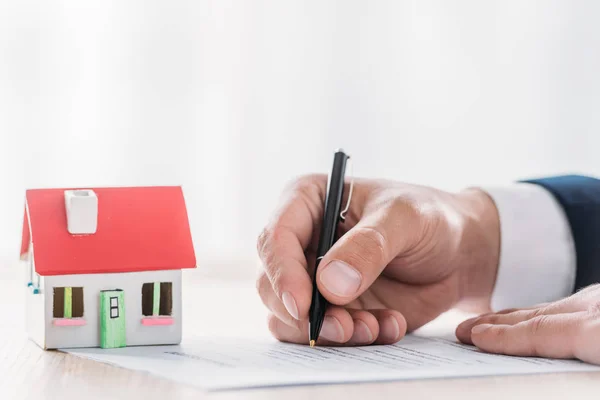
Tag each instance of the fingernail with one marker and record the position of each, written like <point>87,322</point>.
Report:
<point>362,334</point>
<point>480,328</point>
<point>290,304</point>
<point>340,279</point>
<point>389,329</point>
<point>332,329</point>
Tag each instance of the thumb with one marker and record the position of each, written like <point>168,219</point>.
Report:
<point>357,259</point>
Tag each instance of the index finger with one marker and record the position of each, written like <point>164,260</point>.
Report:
<point>553,336</point>
<point>282,244</point>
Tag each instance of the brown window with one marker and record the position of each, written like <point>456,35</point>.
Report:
<point>68,302</point>
<point>157,298</point>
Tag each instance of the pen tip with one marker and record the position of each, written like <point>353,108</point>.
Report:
<point>312,343</point>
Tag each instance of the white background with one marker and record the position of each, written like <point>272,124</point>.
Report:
<point>233,98</point>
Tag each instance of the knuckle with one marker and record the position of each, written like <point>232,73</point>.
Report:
<point>405,205</point>
<point>305,184</point>
<point>538,324</point>
<point>276,280</point>
<point>270,256</point>
<point>267,244</point>
<point>308,179</point>
<point>539,312</point>
<point>491,319</point>
<point>417,206</point>
<point>275,235</point>
<point>308,188</point>
<point>262,240</point>
<point>269,259</point>
<point>426,216</point>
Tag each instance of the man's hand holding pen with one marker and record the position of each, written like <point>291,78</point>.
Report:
<point>405,255</point>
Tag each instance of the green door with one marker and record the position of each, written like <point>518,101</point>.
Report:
<point>112,319</point>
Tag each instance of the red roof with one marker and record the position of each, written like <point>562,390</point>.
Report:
<point>139,229</point>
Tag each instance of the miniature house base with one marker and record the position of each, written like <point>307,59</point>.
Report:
<point>116,281</point>
<point>53,333</point>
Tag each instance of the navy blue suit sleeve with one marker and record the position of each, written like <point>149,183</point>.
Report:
<point>579,196</point>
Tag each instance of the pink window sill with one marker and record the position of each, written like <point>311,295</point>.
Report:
<point>69,321</point>
<point>157,321</point>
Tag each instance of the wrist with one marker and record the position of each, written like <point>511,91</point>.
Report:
<point>479,249</point>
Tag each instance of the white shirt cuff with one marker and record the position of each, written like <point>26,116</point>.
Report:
<point>537,251</point>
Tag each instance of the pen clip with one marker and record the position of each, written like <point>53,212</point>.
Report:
<point>345,210</point>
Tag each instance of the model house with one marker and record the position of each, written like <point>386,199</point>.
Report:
<point>104,266</point>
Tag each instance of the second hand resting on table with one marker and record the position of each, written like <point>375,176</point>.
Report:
<point>408,253</point>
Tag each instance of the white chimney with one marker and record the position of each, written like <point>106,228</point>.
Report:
<point>82,211</point>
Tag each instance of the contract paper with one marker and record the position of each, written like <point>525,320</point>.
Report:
<point>229,363</point>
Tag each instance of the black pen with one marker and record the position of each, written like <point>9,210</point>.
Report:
<point>332,215</point>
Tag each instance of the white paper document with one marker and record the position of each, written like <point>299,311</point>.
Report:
<point>221,364</point>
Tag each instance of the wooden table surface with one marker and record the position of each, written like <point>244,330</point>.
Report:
<point>26,371</point>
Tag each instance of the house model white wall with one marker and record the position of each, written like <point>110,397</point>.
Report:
<point>104,266</point>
